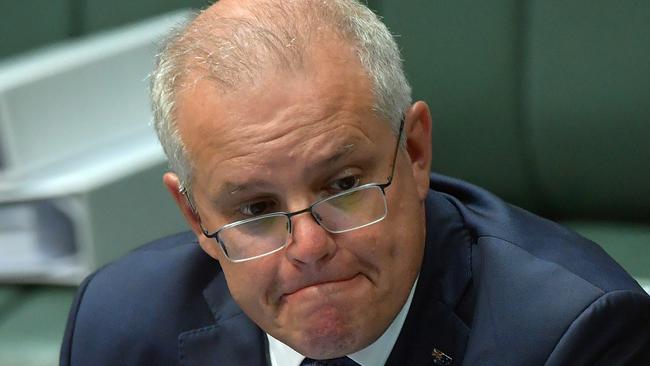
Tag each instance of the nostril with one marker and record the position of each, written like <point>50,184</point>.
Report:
<point>310,242</point>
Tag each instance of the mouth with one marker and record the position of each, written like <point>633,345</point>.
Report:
<point>322,288</point>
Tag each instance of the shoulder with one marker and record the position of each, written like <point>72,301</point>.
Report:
<point>540,289</point>
<point>500,230</point>
<point>143,300</point>
<point>614,329</point>
<point>167,268</point>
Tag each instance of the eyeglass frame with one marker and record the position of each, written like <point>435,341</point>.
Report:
<point>215,235</point>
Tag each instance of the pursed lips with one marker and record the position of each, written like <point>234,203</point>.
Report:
<point>318,283</point>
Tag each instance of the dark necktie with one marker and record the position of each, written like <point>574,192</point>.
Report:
<point>343,361</point>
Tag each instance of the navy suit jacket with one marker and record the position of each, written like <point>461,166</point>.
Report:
<point>498,286</point>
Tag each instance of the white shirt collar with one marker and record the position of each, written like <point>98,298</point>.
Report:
<point>375,354</point>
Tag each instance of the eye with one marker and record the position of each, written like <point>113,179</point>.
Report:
<point>343,184</point>
<point>256,208</point>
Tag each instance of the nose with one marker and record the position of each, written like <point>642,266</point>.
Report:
<point>310,243</point>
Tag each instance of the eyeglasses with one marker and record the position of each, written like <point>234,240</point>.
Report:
<point>260,236</point>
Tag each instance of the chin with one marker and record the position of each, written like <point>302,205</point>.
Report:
<point>330,332</point>
<point>332,327</point>
<point>327,332</point>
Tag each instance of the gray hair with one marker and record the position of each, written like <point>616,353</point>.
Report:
<point>231,51</point>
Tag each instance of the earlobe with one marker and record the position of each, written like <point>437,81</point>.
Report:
<point>418,145</point>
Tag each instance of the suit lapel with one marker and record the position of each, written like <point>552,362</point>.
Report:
<point>438,323</point>
<point>232,340</point>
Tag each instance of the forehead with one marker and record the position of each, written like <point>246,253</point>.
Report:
<point>326,106</point>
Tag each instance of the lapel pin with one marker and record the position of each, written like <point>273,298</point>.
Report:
<point>440,358</point>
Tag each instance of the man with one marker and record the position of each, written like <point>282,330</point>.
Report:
<point>302,169</point>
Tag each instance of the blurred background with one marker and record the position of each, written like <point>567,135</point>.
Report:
<point>546,103</point>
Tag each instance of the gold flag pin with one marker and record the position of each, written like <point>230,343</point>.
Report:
<point>440,358</point>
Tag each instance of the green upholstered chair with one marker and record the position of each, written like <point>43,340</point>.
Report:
<point>545,103</point>
<point>29,24</point>
<point>32,320</point>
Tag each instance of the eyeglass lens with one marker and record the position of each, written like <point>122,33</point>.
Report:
<point>347,211</point>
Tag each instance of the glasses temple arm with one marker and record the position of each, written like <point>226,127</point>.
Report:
<point>399,142</point>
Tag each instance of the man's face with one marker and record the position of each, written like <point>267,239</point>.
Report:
<point>280,146</point>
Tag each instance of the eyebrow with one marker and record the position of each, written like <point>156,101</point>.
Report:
<point>339,154</point>
<point>229,188</point>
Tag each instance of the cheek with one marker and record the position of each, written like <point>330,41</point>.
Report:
<point>374,248</point>
<point>363,243</point>
<point>245,292</point>
<point>250,283</point>
<point>406,233</point>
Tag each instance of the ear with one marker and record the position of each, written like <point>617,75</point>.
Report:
<point>173,184</point>
<point>418,144</point>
